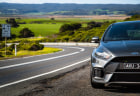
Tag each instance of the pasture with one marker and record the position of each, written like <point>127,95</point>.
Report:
<point>48,26</point>
<point>38,29</point>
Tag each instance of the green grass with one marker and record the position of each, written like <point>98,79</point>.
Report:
<point>23,53</point>
<point>47,26</point>
<point>39,29</point>
<point>2,21</point>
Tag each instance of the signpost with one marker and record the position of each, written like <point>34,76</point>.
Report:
<point>6,32</point>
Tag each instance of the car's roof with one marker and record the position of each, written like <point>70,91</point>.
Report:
<point>126,22</point>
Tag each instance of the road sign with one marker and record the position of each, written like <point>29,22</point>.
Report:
<point>6,30</point>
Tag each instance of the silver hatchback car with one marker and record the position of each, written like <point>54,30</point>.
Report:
<point>117,58</point>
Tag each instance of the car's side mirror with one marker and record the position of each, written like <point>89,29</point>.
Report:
<point>95,40</point>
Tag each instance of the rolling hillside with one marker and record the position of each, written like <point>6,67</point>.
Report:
<point>69,9</point>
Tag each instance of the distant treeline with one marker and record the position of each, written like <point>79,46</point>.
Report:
<point>70,9</point>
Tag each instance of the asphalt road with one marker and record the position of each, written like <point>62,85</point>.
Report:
<point>16,74</point>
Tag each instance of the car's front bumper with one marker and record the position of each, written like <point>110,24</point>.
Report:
<point>112,74</point>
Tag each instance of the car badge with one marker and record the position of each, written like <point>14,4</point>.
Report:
<point>135,53</point>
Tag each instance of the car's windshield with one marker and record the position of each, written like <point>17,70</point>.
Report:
<point>124,31</point>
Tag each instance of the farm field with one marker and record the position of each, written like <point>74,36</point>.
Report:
<point>38,29</point>
<point>51,25</point>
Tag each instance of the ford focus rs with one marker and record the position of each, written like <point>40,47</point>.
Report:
<point>117,58</point>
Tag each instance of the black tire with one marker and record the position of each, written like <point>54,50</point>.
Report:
<point>94,84</point>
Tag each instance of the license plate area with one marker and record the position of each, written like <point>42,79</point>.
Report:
<point>130,66</point>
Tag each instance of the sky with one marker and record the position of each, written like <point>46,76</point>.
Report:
<point>74,1</point>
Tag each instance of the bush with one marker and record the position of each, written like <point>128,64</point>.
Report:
<point>65,27</point>
<point>36,46</point>
<point>25,33</point>
<point>9,53</point>
<point>1,54</point>
<point>11,47</point>
<point>2,45</point>
<point>32,46</point>
<point>70,27</point>
<point>13,22</point>
<point>93,24</point>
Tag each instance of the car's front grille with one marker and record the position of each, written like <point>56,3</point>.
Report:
<point>128,70</point>
<point>120,74</point>
<point>127,59</point>
<point>125,78</point>
<point>116,65</point>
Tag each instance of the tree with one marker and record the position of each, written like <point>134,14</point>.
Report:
<point>52,18</point>
<point>25,33</point>
<point>76,26</point>
<point>65,27</point>
<point>13,22</point>
<point>93,24</point>
<point>70,27</point>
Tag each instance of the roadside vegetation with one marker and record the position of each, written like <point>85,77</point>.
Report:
<point>25,48</point>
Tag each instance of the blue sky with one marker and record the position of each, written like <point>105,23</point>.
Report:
<point>75,1</point>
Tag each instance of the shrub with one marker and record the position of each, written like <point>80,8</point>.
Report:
<point>11,47</point>
<point>2,45</point>
<point>13,22</point>
<point>36,46</point>
<point>93,24</point>
<point>76,26</point>
<point>25,33</point>
<point>1,54</point>
<point>65,27</point>
<point>70,27</point>
<point>33,46</point>
<point>9,53</point>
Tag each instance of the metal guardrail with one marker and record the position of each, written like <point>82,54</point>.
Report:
<point>65,44</point>
<point>71,44</point>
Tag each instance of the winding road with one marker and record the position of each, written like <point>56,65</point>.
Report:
<point>27,69</point>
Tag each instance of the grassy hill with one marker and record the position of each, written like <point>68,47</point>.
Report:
<point>68,9</point>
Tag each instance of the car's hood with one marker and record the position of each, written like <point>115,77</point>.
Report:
<point>123,48</point>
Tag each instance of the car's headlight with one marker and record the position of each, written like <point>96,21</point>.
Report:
<point>103,55</point>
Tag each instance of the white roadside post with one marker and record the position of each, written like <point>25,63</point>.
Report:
<point>6,32</point>
<point>15,50</point>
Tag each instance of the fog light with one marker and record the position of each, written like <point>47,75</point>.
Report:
<point>98,72</point>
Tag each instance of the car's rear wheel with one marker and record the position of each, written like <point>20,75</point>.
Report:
<point>94,84</point>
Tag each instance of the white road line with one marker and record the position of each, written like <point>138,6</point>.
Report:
<point>33,77</point>
<point>81,49</point>
<point>27,63</point>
